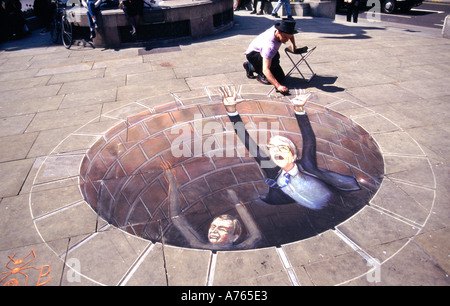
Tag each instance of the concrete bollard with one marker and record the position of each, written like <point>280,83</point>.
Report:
<point>314,8</point>
<point>446,27</point>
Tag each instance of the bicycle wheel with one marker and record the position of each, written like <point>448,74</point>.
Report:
<point>66,32</point>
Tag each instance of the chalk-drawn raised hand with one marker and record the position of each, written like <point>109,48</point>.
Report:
<point>169,172</point>
<point>229,98</point>
<point>301,97</point>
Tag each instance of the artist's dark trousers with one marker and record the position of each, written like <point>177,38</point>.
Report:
<point>256,60</point>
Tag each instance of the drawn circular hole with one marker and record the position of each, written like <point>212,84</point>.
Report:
<point>123,180</point>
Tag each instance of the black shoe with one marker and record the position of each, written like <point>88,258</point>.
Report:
<point>248,71</point>
<point>275,15</point>
<point>262,79</point>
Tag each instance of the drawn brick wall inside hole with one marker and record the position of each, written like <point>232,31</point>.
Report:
<point>123,181</point>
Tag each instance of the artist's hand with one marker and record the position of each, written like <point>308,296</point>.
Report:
<point>229,98</point>
<point>301,97</point>
<point>283,89</point>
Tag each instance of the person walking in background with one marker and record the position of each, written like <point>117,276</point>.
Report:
<point>133,10</point>
<point>13,22</point>
<point>352,10</point>
<point>255,4</point>
<point>287,7</point>
<point>42,10</point>
<point>237,5</point>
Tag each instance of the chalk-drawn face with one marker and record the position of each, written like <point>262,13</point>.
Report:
<point>221,232</point>
<point>282,152</point>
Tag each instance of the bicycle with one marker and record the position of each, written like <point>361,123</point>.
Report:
<point>66,27</point>
<point>60,27</point>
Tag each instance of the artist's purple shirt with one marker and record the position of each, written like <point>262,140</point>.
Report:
<point>266,44</point>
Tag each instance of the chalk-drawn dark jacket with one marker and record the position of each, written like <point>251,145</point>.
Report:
<point>307,164</point>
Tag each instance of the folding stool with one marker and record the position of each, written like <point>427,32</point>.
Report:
<point>304,54</point>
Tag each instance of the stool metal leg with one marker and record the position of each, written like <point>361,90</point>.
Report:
<point>296,65</point>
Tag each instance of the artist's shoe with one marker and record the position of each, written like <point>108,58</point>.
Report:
<point>262,79</point>
<point>248,70</point>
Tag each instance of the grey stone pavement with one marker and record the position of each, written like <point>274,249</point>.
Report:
<point>390,79</point>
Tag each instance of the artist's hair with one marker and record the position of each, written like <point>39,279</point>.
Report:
<point>237,227</point>
<point>286,141</point>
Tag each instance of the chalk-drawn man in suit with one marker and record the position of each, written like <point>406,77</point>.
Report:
<point>291,179</point>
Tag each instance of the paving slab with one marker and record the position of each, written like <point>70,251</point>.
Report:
<point>57,104</point>
<point>13,185</point>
